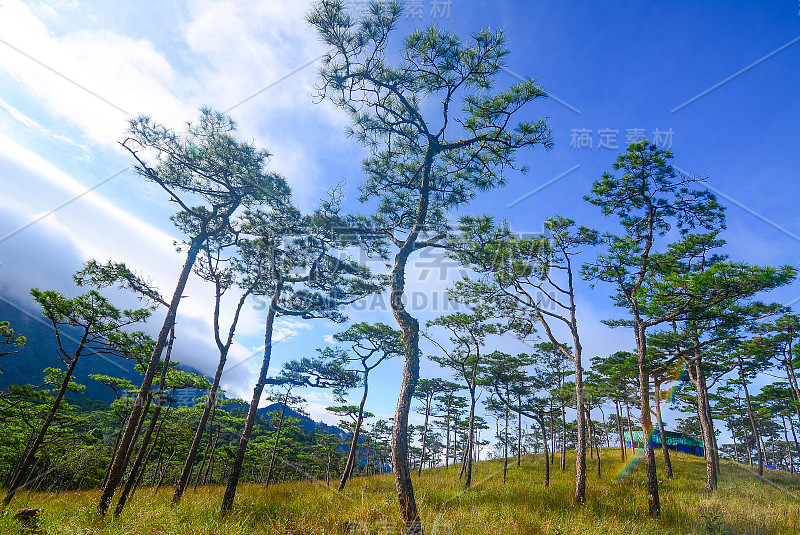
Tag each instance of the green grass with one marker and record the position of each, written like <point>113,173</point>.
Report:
<point>744,504</point>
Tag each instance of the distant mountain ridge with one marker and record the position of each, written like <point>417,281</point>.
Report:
<point>308,424</point>
<point>41,351</point>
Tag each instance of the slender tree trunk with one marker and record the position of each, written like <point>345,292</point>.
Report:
<point>467,468</point>
<point>400,466</point>
<point>580,461</point>
<point>749,449</point>
<point>424,437</point>
<point>630,426</point>
<point>141,455</point>
<point>552,435</point>
<point>713,434</point>
<point>351,457</point>
<point>277,440</point>
<point>604,430</point>
<point>746,443</point>
<point>26,461</point>
<point>120,460</point>
<point>654,505</point>
<point>188,464</point>
<point>505,443</point>
<point>749,406</point>
<point>447,435</point>
<point>200,472</point>
<point>598,445</point>
<point>735,446</point>
<point>258,390</point>
<point>165,469</point>
<point>519,431</point>
<point>546,454</point>
<point>788,447</point>
<point>794,435</point>
<point>706,430</point>
<point>661,431</point>
<point>619,430</point>
<point>563,438</point>
<point>328,471</point>
<point>149,453</point>
<point>792,377</point>
<point>144,449</point>
<point>594,441</point>
<point>209,475</point>
<point>116,447</point>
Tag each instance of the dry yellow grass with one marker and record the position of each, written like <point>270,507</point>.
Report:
<point>744,504</point>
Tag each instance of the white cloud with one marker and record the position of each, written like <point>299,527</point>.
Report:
<point>241,48</point>
<point>100,77</point>
<point>30,123</point>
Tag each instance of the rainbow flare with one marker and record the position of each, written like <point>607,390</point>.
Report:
<point>639,453</point>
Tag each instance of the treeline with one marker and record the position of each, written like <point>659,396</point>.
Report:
<point>438,136</point>
<point>84,435</point>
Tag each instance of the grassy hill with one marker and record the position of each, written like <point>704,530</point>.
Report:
<point>744,504</point>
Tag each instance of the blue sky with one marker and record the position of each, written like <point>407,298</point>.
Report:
<point>72,73</point>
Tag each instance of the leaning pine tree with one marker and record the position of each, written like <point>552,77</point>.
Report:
<point>206,165</point>
<point>308,276</point>
<point>436,134</point>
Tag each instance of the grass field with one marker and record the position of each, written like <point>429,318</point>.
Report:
<point>744,504</point>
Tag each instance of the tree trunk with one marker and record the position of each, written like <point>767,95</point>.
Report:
<point>630,426</point>
<point>794,435</point>
<point>662,432</point>
<point>519,432</point>
<point>552,435</point>
<point>654,505</point>
<point>238,459</point>
<point>788,447</point>
<point>188,464</point>
<point>619,430</point>
<point>749,450</point>
<point>140,456</point>
<point>149,453</point>
<point>224,348</point>
<point>209,475</point>
<point>120,460</point>
<point>563,438</point>
<point>165,469</point>
<point>277,440</point>
<point>200,472</point>
<point>749,406</point>
<point>746,443</point>
<point>447,435</point>
<point>791,376</point>
<point>505,443</point>
<point>546,454</point>
<point>424,436</point>
<point>594,438</point>
<point>144,449</point>
<point>26,461</point>
<point>470,439</point>
<point>409,325</point>
<point>351,457</point>
<point>580,461</point>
